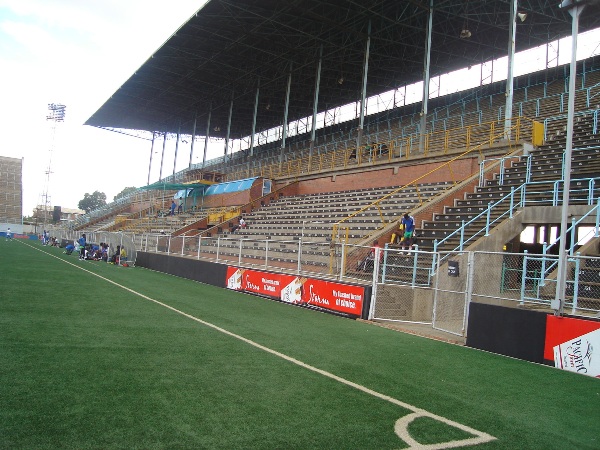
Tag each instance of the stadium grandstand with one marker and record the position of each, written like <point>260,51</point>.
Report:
<point>323,153</point>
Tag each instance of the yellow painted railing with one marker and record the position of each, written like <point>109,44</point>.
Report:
<point>514,138</point>
<point>437,142</point>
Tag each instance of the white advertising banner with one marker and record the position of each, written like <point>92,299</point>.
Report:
<point>577,355</point>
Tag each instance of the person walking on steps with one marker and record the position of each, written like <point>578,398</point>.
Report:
<point>408,222</point>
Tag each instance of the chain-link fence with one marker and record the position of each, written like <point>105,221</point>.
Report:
<point>583,286</point>
<point>413,286</point>
<point>513,278</point>
<point>401,284</point>
<point>530,280</point>
<point>443,290</point>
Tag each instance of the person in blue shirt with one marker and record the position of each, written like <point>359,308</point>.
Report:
<point>173,206</point>
<point>408,222</point>
<point>69,249</point>
<point>82,243</point>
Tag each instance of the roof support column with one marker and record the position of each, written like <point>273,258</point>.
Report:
<point>228,129</point>
<point>254,118</point>
<point>361,122</point>
<point>510,75</point>
<point>176,148</point>
<point>193,139</point>
<point>313,130</point>
<point>285,114</point>
<point>151,153</point>
<point>426,64</point>
<point>207,134</point>
<point>162,158</point>
<point>558,304</point>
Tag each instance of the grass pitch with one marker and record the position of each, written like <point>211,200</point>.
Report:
<point>88,364</point>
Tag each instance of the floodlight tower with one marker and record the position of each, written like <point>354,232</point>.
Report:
<point>56,114</point>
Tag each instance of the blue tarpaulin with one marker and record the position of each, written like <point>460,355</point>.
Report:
<point>230,186</point>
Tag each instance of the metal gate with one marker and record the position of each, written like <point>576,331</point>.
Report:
<point>451,291</point>
<point>422,287</point>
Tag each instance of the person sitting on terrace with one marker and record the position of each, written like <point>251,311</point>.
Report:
<point>367,263</point>
<point>383,149</point>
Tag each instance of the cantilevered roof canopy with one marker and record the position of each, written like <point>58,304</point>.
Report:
<point>168,186</point>
<point>229,45</point>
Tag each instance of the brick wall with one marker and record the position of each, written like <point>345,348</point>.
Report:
<point>456,171</point>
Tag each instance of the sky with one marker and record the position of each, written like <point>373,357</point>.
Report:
<point>77,53</point>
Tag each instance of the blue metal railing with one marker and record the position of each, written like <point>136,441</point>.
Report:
<point>501,173</point>
<point>548,268</point>
<point>519,194</point>
<point>521,191</point>
<point>593,112</point>
<point>394,260</point>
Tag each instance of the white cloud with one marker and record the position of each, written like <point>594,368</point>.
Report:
<point>76,53</point>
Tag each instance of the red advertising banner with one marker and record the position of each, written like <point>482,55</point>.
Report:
<point>562,329</point>
<point>329,295</point>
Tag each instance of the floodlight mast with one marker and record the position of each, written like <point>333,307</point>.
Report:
<point>56,114</point>
<point>575,7</point>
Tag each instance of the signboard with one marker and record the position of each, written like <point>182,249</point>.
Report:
<point>570,343</point>
<point>332,296</point>
<point>453,269</point>
<point>577,355</point>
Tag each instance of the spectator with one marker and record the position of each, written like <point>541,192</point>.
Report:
<point>82,244</point>
<point>398,235</point>
<point>173,206</point>
<point>114,259</point>
<point>8,234</point>
<point>180,207</point>
<point>408,222</point>
<point>104,247</point>
<point>122,256</point>
<point>383,149</point>
<point>69,249</point>
<point>368,262</point>
<point>241,224</point>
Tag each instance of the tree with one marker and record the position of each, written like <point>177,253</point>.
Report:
<point>93,201</point>
<point>125,192</point>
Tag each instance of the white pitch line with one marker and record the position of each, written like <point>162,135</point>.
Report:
<point>401,426</point>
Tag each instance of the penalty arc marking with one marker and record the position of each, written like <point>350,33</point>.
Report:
<point>401,425</point>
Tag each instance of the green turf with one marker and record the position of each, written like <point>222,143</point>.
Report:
<point>86,364</point>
